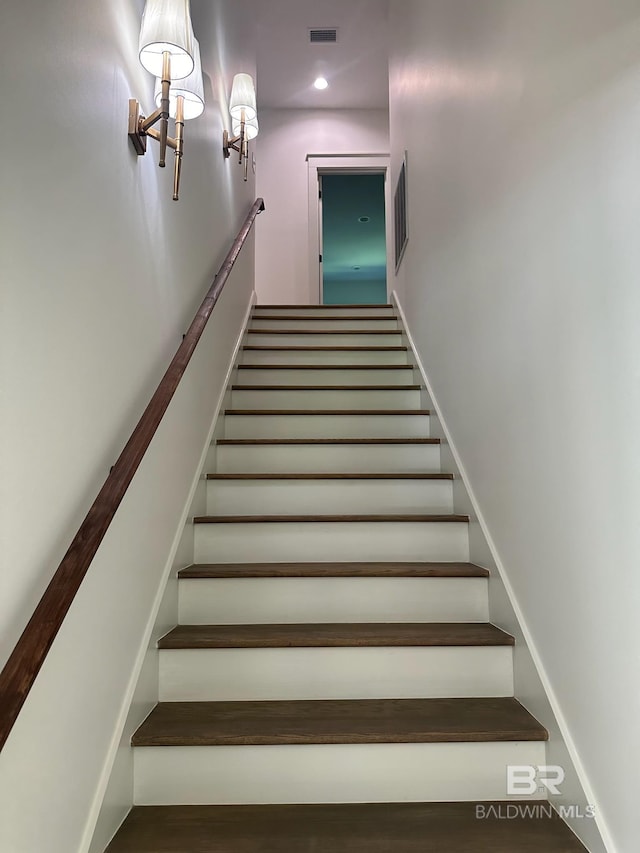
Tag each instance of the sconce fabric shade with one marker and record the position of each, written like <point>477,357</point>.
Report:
<point>166,26</point>
<point>251,128</point>
<point>191,88</point>
<point>243,97</point>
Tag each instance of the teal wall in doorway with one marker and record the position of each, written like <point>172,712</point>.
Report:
<point>353,239</point>
<point>355,292</point>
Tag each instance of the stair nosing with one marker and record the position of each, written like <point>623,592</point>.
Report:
<point>329,412</point>
<point>371,569</point>
<point>264,348</point>
<point>326,367</point>
<point>242,442</point>
<point>337,635</point>
<point>447,477</point>
<point>448,518</point>
<point>254,331</point>
<point>198,571</point>
<point>297,318</point>
<point>376,306</point>
<point>237,387</point>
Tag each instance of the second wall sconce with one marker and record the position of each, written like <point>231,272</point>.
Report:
<point>244,119</point>
<point>170,51</point>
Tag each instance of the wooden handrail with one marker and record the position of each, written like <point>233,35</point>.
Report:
<point>23,666</point>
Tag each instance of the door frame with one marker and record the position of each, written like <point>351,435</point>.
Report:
<point>347,164</point>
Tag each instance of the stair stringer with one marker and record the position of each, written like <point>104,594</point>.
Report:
<point>532,686</point>
<point>115,796</point>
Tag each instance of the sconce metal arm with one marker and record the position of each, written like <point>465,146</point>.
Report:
<point>179,146</point>
<point>141,126</point>
<point>155,134</point>
<point>235,142</point>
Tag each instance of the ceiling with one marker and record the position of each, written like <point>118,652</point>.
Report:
<point>356,66</point>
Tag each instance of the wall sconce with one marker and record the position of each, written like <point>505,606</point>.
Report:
<point>170,51</point>
<point>244,119</point>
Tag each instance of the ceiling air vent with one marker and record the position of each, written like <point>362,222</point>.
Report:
<point>323,36</point>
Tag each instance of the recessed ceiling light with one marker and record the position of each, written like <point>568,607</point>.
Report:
<point>357,269</point>
<point>364,219</point>
<point>321,83</point>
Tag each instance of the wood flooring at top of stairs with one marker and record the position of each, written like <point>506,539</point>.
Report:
<point>342,721</point>
<point>346,828</point>
<point>335,635</point>
<point>333,570</point>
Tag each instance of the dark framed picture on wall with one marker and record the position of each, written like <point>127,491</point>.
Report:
<point>400,213</point>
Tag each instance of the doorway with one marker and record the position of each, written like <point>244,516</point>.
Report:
<point>353,238</point>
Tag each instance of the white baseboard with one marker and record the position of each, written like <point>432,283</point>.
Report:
<point>601,840</point>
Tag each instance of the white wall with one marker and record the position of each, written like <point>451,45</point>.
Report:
<point>286,138</point>
<point>101,273</point>
<point>520,282</point>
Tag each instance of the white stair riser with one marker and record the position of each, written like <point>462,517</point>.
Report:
<point>324,311</point>
<point>326,426</point>
<point>261,601</point>
<point>324,356</point>
<point>290,376</point>
<point>287,542</point>
<point>329,773</point>
<point>325,497</point>
<point>210,675</point>
<point>327,458</point>
<point>317,399</point>
<point>305,340</point>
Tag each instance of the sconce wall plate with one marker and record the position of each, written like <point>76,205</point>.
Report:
<point>138,138</point>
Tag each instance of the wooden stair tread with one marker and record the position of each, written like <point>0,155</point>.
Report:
<point>328,412</point>
<point>243,442</point>
<point>363,306</point>
<point>325,319</point>
<point>425,518</point>
<point>263,723</point>
<point>334,570</point>
<point>259,348</point>
<point>335,635</point>
<point>339,331</point>
<point>348,828</point>
<point>324,476</point>
<point>326,367</point>
<point>325,388</point>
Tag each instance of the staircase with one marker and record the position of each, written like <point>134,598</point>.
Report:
<point>334,683</point>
